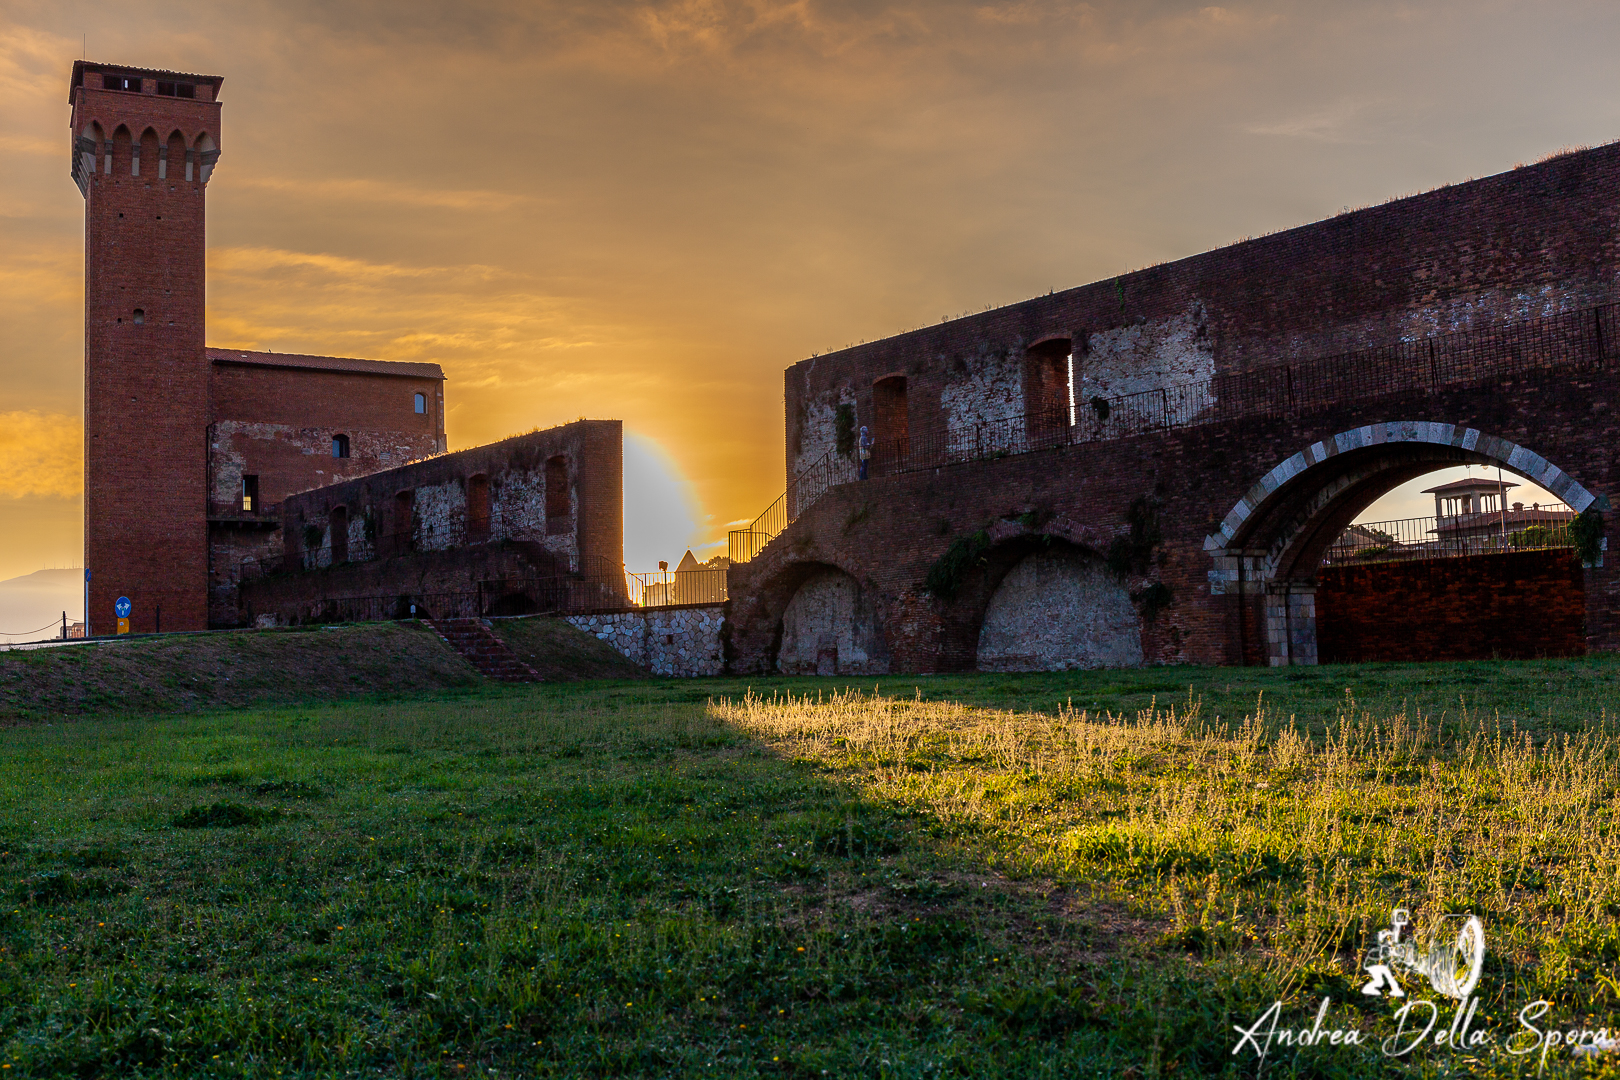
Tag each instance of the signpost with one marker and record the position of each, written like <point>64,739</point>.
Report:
<point>121,608</point>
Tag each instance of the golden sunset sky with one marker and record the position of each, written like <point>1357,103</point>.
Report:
<point>648,210</point>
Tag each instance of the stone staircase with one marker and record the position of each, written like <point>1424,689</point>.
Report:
<point>474,639</point>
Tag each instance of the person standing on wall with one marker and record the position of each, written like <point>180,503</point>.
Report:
<point>865,448</point>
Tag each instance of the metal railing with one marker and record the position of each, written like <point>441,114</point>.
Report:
<point>1574,341</point>
<point>1489,533</point>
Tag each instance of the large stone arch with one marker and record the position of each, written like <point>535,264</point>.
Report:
<point>1273,539</point>
<point>828,624</point>
<point>1056,609</point>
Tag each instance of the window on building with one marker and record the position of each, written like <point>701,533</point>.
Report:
<point>340,446</point>
<point>250,494</point>
<point>140,317</point>
<point>421,404</point>
<point>477,508</point>
<point>121,82</point>
<point>339,523</point>
<point>184,90</point>
<point>558,505</point>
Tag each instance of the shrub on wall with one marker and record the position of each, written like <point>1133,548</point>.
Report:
<point>1587,532</point>
<point>951,568</point>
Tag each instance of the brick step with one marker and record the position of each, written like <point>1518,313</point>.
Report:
<point>488,654</point>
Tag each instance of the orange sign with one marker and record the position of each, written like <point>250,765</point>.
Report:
<point>123,626</point>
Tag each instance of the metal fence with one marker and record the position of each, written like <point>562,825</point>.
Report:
<point>1442,538</point>
<point>1586,340</point>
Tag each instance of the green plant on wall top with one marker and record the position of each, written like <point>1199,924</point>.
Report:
<point>1587,532</point>
<point>844,429</point>
<point>953,567</point>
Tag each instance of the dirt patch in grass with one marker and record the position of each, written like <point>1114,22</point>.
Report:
<point>184,673</point>
<point>559,651</point>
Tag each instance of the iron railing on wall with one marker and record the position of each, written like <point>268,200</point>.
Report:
<point>1586,340</point>
<point>1488,533</point>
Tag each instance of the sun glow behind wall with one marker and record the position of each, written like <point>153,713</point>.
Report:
<point>660,507</point>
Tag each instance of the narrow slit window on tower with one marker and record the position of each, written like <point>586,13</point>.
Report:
<point>140,317</point>
<point>421,404</point>
<point>250,493</point>
<point>340,446</point>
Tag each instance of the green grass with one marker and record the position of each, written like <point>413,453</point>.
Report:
<point>672,878</point>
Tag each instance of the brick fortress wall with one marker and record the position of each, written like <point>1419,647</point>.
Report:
<point>1477,607</point>
<point>274,418</point>
<point>1538,242</point>
<point>552,499</point>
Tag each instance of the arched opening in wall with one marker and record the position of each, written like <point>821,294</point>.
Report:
<point>173,162</point>
<point>1048,390</point>
<point>122,156</point>
<point>891,423</point>
<point>146,151</point>
<point>477,508</point>
<point>1058,609</point>
<point>1406,541</point>
<point>340,446</point>
<point>403,525</point>
<point>338,525</point>
<point>559,505</point>
<point>419,403</point>
<point>830,628</point>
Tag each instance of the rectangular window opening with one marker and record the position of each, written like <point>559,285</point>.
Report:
<point>250,494</point>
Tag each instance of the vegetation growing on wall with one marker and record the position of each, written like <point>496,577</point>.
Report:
<point>844,428</point>
<point>953,567</point>
<point>1587,532</point>
<point>1133,552</point>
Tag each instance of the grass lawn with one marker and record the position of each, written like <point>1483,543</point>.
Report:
<point>1072,875</point>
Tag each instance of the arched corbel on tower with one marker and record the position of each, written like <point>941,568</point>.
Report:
<point>147,148</point>
<point>121,155</point>
<point>206,152</point>
<point>174,156</point>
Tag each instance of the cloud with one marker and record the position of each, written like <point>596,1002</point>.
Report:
<point>43,455</point>
<point>1338,124</point>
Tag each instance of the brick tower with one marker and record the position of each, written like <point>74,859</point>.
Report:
<point>144,144</point>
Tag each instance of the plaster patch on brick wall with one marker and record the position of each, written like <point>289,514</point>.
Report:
<point>992,392</point>
<point>1056,613</point>
<point>818,431</point>
<point>1149,356</point>
<point>680,642</point>
<point>441,516</point>
<point>829,629</point>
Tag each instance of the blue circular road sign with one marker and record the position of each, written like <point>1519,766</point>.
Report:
<point>121,605</point>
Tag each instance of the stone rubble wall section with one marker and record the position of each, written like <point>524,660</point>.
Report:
<point>679,642</point>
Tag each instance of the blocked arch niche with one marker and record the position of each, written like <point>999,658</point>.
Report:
<point>1272,541</point>
<point>1057,609</point>
<point>829,627</point>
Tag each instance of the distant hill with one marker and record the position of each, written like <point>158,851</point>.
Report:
<point>31,601</point>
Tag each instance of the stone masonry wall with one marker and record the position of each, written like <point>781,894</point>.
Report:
<point>678,641</point>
